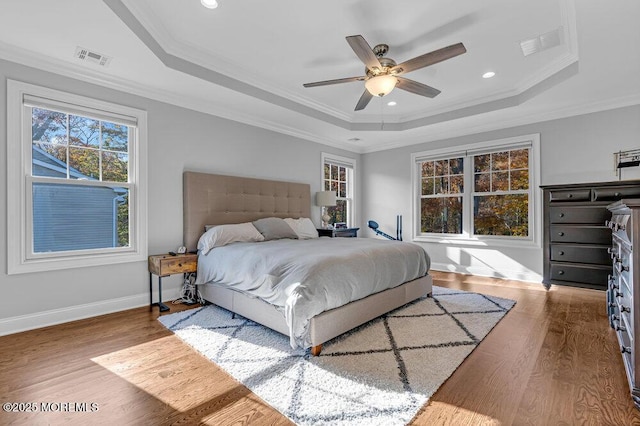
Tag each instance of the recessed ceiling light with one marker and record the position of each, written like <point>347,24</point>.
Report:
<point>392,103</point>
<point>488,74</point>
<point>354,140</point>
<point>209,4</point>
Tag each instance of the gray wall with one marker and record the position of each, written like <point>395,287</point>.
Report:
<point>179,139</point>
<point>577,149</point>
<point>573,150</point>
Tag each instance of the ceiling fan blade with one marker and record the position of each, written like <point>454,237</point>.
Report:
<point>417,88</point>
<point>364,100</point>
<point>429,58</point>
<point>363,51</point>
<point>337,81</point>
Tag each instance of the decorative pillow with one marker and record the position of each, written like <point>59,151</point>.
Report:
<point>221,235</point>
<point>274,228</point>
<point>303,227</point>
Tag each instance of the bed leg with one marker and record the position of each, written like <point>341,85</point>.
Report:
<point>315,350</point>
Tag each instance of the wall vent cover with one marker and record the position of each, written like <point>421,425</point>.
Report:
<point>87,55</point>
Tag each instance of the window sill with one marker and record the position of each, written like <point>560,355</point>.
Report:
<point>477,242</point>
<point>23,266</point>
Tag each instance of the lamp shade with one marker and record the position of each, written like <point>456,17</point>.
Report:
<point>381,85</point>
<point>325,198</point>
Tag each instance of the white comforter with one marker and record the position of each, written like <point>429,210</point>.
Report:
<point>306,277</point>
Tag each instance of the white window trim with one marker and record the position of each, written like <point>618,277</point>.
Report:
<point>535,204</point>
<point>18,170</point>
<point>349,162</point>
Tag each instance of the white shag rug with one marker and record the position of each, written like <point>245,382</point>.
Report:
<point>380,373</point>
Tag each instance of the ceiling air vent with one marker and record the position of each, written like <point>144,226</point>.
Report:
<point>542,42</point>
<point>87,55</point>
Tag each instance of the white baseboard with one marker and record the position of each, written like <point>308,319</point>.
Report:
<point>527,276</point>
<point>72,313</point>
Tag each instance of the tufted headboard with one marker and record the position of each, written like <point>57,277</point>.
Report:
<point>210,199</point>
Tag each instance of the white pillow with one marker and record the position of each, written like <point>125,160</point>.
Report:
<point>221,235</point>
<point>303,227</point>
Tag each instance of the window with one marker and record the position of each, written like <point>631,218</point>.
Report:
<point>338,176</point>
<point>79,193</point>
<point>482,192</point>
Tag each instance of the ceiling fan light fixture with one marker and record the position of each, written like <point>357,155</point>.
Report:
<point>209,4</point>
<point>381,85</point>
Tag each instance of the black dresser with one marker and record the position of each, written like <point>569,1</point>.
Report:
<point>575,237</point>
<point>623,296</point>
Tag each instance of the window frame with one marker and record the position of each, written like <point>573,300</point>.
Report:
<point>20,256</point>
<point>350,164</point>
<point>533,240</point>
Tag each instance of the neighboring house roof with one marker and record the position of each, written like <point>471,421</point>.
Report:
<point>45,160</point>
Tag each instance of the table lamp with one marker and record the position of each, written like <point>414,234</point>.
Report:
<point>325,199</point>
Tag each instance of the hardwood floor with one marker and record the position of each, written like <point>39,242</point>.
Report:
<point>552,360</point>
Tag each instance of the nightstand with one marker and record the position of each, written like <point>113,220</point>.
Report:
<point>343,232</point>
<point>164,265</point>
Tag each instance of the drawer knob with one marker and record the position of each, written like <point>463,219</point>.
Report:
<point>561,253</point>
<point>570,196</point>
<point>624,349</point>
<point>561,233</point>
<point>180,265</point>
<point>561,215</point>
<point>560,272</point>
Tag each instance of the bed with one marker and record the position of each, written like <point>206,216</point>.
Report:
<point>211,200</point>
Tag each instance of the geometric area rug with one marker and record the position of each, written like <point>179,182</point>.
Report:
<point>380,373</point>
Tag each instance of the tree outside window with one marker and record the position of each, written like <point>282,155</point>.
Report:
<point>339,179</point>
<point>484,194</point>
<point>77,148</point>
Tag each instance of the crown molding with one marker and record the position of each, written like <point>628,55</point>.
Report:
<point>142,19</point>
<point>87,75</point>
<point>550,115</point>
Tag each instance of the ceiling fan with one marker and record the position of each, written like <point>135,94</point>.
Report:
<point>382,73</point>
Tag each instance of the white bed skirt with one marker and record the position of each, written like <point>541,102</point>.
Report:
<point>327,325</point>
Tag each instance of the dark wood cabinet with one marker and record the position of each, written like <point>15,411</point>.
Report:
<point>623,295</point>
<point>575,237</point>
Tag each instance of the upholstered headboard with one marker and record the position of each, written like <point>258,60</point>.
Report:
<point>210,199</point>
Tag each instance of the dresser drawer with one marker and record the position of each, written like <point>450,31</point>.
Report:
<point>580,254</point>
<point>615,193</point>
<point>580,234</point>
<point>626,347</point>
<point>588,274</point>
<point>583,214</point>
<point>570,195</point>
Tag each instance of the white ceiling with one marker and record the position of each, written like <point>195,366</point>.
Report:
<point>248,59</point>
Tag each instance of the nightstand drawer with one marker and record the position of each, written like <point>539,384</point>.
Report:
<point>169,265</point>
